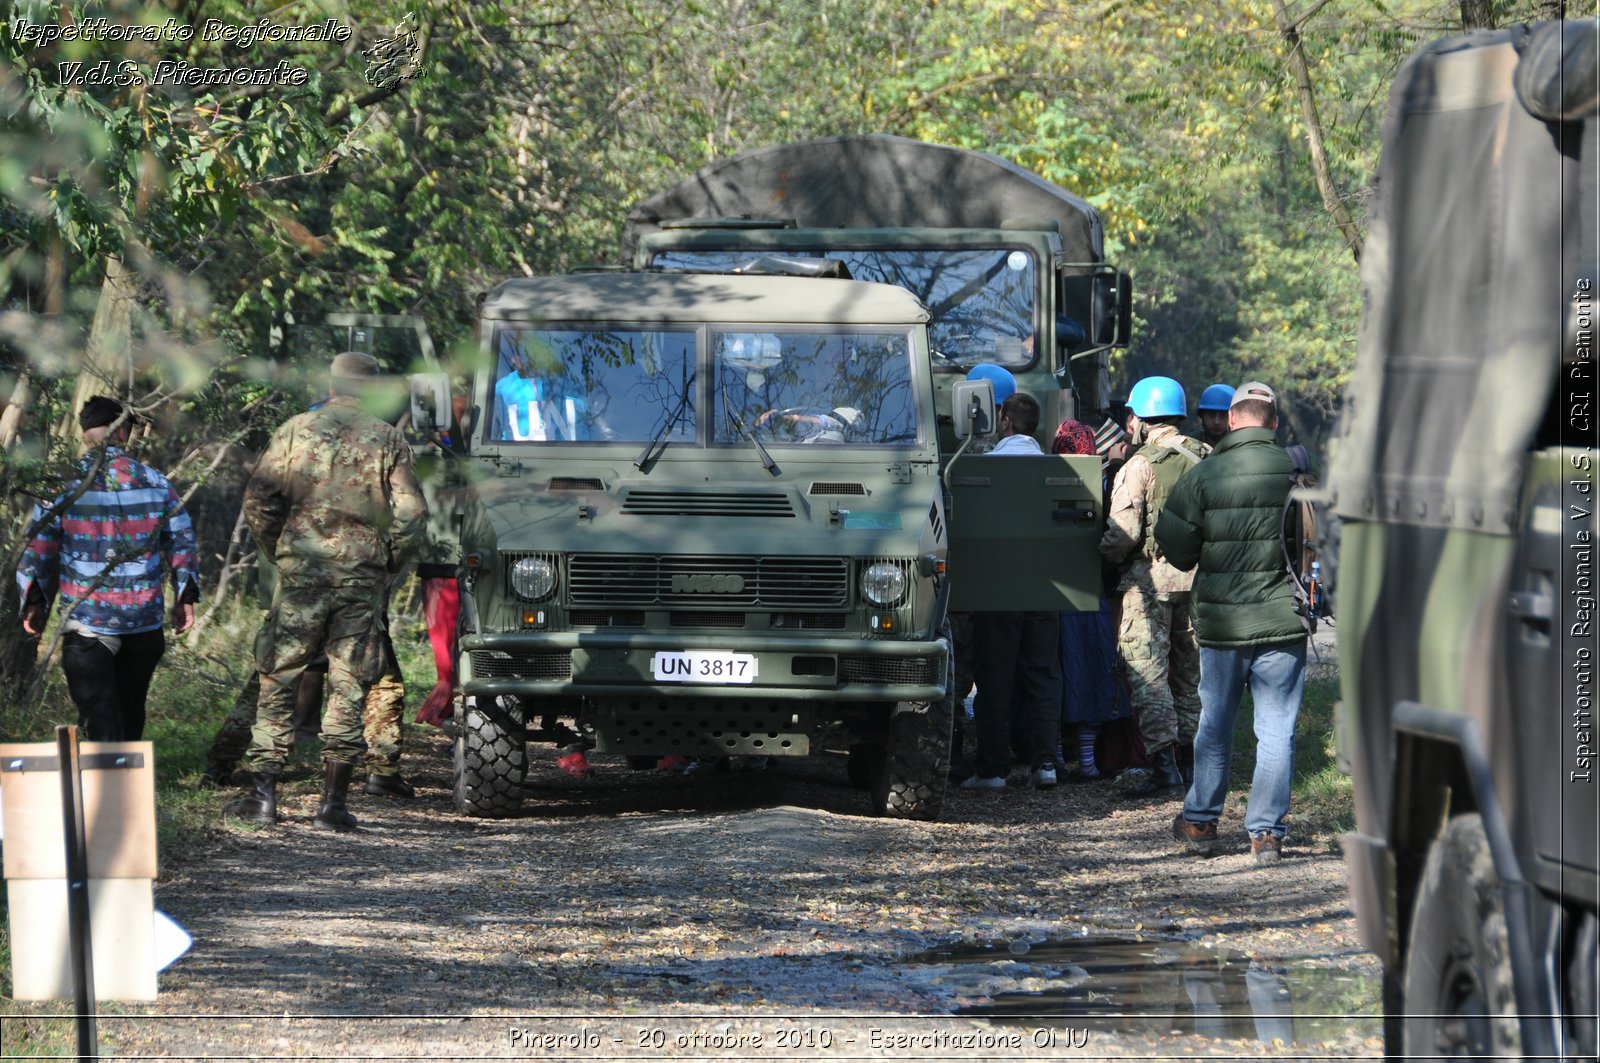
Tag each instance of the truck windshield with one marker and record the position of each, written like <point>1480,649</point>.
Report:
<point>981,299</point>
<point>600,385</point>
<point>850,388</point>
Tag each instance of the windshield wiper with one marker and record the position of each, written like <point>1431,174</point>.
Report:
<point>734,419</point>
<point>649,451</point>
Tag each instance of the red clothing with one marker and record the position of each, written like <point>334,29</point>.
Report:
<point>1073,437</point>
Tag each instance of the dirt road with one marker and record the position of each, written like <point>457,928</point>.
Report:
<point>752,914</point>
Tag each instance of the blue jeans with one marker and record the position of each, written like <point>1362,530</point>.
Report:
<point>1277,677</point>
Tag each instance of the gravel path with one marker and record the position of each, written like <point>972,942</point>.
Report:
<point>688,916</point>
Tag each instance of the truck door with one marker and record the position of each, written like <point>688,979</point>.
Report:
<point>1550,645</point>
<point>1025,533</point>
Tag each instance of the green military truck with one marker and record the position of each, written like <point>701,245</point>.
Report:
<point>1464,478</point>
<point>705,519</point>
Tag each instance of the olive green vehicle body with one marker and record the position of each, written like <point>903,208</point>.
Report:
<point>1464,480</point>
<point>702,547</point>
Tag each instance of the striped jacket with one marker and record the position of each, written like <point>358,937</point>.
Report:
<point>113,539</point>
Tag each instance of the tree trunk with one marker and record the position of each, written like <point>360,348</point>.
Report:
<point>1290,32</point>
<point>105,368</point>
<point>1477,15</point>
<point>22,396</point>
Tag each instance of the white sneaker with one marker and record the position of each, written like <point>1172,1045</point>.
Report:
<point>984,782</point>
<point>1044,776</point>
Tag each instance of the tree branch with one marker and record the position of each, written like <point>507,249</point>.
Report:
<point>1308,109</point>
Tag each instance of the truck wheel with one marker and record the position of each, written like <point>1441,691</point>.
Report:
<point>1459,1000</point>
<point>491,757</point>
<point>912,773</point>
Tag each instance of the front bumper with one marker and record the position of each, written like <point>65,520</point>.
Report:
<point>614,664</point>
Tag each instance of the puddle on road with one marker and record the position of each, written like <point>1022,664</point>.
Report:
<point>1161,987</point>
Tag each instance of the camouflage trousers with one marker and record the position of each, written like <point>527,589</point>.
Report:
<point>1157,641</point>
<point>380,723</point>
<point>348,624</point>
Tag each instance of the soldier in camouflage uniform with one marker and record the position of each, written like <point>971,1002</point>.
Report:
<point>1156,636</point>
<point>335,502</point>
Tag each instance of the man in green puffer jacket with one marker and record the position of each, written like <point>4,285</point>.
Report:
<point>1224,519</point>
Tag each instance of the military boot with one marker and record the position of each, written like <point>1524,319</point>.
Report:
<point>1186,763</point>
<point>1165,778</point>
<point>260,804</point>
<point>391,785</point>
<point>335,792</point>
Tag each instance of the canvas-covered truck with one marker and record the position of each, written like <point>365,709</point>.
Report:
<point>1011,267</point>
<point>1464,476</point>
<point>704,518</point>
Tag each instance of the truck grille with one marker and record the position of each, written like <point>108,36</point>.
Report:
<point>708,581</point>
<point>918,671</point>
<point>498,664</point>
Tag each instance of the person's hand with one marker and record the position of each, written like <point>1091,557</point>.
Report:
<point>182,617</point>
<point>34,616</point>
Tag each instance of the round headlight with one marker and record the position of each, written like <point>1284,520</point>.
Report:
<point>533,578</point>
<point>883,583</point>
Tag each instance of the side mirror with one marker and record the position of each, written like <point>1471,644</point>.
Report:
<point>972,408</point>
<point>1111,308</point>
<point>430,403</point>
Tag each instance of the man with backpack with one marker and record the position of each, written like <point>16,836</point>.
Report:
<point>1225,522</point>
<point>1156,635</point>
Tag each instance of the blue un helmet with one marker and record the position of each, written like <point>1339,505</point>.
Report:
<point>1005,385</point>
<point>1216,397</point>
<point>1158,396</point>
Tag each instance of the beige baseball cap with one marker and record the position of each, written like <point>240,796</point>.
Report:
<point>1255,389</point>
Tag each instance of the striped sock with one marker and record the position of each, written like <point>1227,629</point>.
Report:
<point>1086,764</point>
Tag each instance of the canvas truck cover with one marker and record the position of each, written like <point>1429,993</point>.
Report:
<point>871,182</point>
<point>1488,198</point>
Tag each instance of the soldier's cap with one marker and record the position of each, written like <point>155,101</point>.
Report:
<point>354,365</point>
<point>101,411</point>
<point>1256,390</point>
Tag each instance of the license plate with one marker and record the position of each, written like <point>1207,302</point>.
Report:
<point>703,666</point>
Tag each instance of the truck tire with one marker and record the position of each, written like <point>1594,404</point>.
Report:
<point>1459,999</point>
<point>913,771</point>
<point>491,757</point>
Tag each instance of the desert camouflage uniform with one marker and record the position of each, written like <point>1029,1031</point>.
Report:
<point>1156,636</point>
<point>335,503</point>
<point>381,712</point>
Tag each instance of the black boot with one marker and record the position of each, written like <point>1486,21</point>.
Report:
<point>260,804</point>
<point>392,785</point>
<point>1186,763</point>
<point>1164,775</point>
<point>335,791</point>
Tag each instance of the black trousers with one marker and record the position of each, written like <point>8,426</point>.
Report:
<point>1017,661</point>
<point>109,688</point>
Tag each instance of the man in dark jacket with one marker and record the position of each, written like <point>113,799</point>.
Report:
<point>1225,520</point>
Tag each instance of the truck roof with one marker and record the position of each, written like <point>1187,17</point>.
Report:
<point>876,181</point>
<point>696,297</point>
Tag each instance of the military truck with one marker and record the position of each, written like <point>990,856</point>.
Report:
<point>1011,267</point>
<point>1464,479</point>
<point>705,519</point>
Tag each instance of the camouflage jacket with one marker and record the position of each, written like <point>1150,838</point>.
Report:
<point>334,500</point>
<point>1129,538</point>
